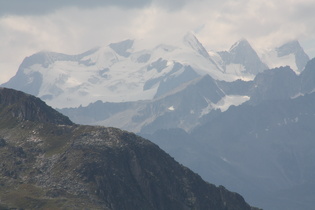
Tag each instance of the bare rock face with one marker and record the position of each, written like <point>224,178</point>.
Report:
<point>243,53</point>
<point>23,107</point>
<point>47,162</point>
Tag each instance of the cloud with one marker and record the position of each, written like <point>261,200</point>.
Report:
<point>74,26</point>
<point>264,23</point>
<point>41,7</point>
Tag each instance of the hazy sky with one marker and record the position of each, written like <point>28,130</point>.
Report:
<point>74,26</point>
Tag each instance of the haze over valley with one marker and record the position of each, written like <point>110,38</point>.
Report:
<point>226,89</point>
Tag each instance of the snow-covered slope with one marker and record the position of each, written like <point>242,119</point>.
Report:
<point>242,60</point>
<point>117,72</point>
<point>289,54</point>
<point>128,71</point>
<point>246,62</point>
<point>183,107</point>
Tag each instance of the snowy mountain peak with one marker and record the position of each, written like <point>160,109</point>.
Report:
<point>294,48</point>
<point>242,59</point>
<point>191,38</point>
<point>44,58</point>
<point>191,41</point>
<point>122,48</point>
<point>290,53</point>
<point>288,48</point>
<point>241,45</point>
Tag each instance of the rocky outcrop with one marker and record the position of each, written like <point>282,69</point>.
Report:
<point>20,106</point>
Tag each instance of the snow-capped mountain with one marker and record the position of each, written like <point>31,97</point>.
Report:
<point>184,107</point>
<point>242,60</point>
<point>169,90</point>
<point>289,54</point>
<point>260,148</point>
<point>127,71</point>
<point>117,72</point>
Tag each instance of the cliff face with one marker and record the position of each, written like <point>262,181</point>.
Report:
<point>49,162</point>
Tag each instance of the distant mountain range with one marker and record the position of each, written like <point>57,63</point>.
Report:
<point>267,135</point>
<point>127,71</point>
<point>148,89</point>
<point>48,162</point>
<point>240,118</point>
<point>265,152</point>
<point>263,148</point>
<point>185,106</point>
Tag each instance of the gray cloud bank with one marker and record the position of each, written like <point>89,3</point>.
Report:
<point>41,7</point>
<point>73,26</point>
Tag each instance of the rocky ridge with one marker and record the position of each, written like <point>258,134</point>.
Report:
<point>49,162</point>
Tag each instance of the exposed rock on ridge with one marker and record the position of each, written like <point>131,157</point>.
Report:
<point>45,164</point>
<point>18,105</point>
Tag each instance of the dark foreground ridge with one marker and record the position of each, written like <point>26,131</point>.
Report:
<point>47,162</point>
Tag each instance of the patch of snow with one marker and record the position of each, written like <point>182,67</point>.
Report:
<point>224,103</point>
<point>272,60</point>
<point>225,160</point>
<point>297,95</point>
<point>230,100</point>
<point>238,70</point>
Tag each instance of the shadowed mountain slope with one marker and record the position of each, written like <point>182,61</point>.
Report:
<point>49,162</point>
